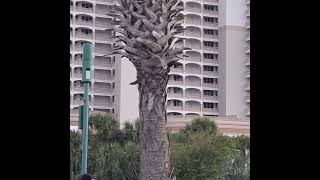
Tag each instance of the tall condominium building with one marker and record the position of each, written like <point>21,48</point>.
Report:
<point>212,81</point>
<point>234,62</point>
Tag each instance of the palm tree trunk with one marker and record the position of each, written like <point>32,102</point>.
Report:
<point>154,143</point>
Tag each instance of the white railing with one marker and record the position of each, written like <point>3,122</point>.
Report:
<point>197,109</point>
<point>85,23</point>
<point>194,10</point>
<point>103,90</point>
<point>78,62</point>
<point>193,83</point>
<point>97,103</point>
<point>193,46</point>
<point>193,70</point>
<point>103,38</point>
<point>103,24</point>
<point>210,97</point>
<point>208,48</point>
<point>82,9</point>
<point>193,59</point>
<point>193,96</point>
<point>175,95</point>
<point>208,12</point>
<point>205,60</point>
<point>103,64</point>
<point>173,82</point>
<point>210,36</point>
<point>210,24</point>
<point>193,22</point>
<point>193,34</point>
<point>209,109</point>
<point>84,36</point>
<point>103,77</point>
<point>176,70</point>
<point>210,73</point>
<point>210,85</point>
<point>77,75</point>
<point>102,51</point>
<point>210,1</point>
<point>174,108</point>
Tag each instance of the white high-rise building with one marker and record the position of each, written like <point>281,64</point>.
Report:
<point>213,81</point>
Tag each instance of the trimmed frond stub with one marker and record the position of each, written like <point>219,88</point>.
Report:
<point>148,30</point>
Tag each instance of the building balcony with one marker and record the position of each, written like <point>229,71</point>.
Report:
<point>77,75</point>
<point>193,71</point>
<point>80,89</point>
<point>176,70</point>
<point>247,61</point>
<point>210,85</point>
<point>173,82</point>
<point>214,61</point>
<point>85,10</point>
<point>247,86</point>
<point>102,77</point>
<point>248,25</point>
<point>102,51</point>
<point>77,61</point>
<point>210,110</point>
<point>193,83</point>
<point>210,13</point>
<point>193,59</point>
<point>103,24</point>
<point>104,38</point>
<point>210,1</point>
<point>210,24</point>
<point>210,98</point>
<point>208,48</point>
<point>174,108</point>
<point>247,73</point>
<point>210,73</point>
<point>84,23</point>
<point>193,108</point>
<point>100,64</point>
<point>193,34</point>
<point>102,103</point>
<point>247,1</point>
<point>84,36</point>
<point>193,9</point>
<point>174,95</point>
<point>193,96</point>
<point>193,46</point>
<point>80,102</point>
<point>193,22</point>
<point>248,12</point>
<point>103,11</point>
<point>106,1</point>
<point>247,97</point>
<point>107,91</point>
<point>210,36</point>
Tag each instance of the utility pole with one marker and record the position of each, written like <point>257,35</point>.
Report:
<point>84,110</point>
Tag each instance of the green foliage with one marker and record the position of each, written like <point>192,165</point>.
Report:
<point>198,152</point>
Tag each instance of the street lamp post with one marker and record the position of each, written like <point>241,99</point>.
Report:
<point>86,78</point>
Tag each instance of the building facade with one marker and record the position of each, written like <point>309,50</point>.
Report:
<point>210,82</point>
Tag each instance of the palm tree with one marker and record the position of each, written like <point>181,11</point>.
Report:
<point>148,29</point>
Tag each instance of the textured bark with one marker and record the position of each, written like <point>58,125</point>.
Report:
<point>149,28</point>
<point>154,145</point>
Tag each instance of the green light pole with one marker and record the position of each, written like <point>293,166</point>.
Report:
<point>86,78</point>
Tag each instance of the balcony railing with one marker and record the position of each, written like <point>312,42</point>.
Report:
<point>84,36</point>
<point>103,11</point>
<point>210,73</point>
<point>205,60</point>
<point>193,59</point>
<point>193,83</point>
<point>173,82</point>
<point>193,46</point>
<point>102,77</point>
<point>193,96</point>
<point>103,24</point>
<point>209,48</point>
<point>78,61</point>
<point>104,38</point>
<point>193,71</point>
<point>208,12</point>
<point>82,9</point>
<point>210,1</point>
<point>176,70</point>
<point>210,24</point>
<point>193,22</point>
<point>77,75</point>
<point>209,97</point>
<point>193,34</point>
<point>106,1</point>
<point>174,108</point>
<point>193,9</point>
<point>102,103</point>
<point>85,23</point>
<point>210,36</point>
<point>103,64</point>
<point>210,85</point>
<point>78,48</point>
<point>175,95</point>
<point>103,90</point>
<point>209,109</point>
<point>102,51</point>
<point>193,108</point>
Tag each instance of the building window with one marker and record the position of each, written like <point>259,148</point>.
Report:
<point>210,7</point>
<point>210,19</point>
<point>210,80</point>
<point>210,31</point>
<point>207,68</point>
<point>210,93</point>
<point>177,66</point>
<point>210,56</point>
<point>86,5</point>
<point>210,105</point>
<point>86,18</point>
<point>175,103</point>
<point>210,44</point>
<point>85,31</point>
